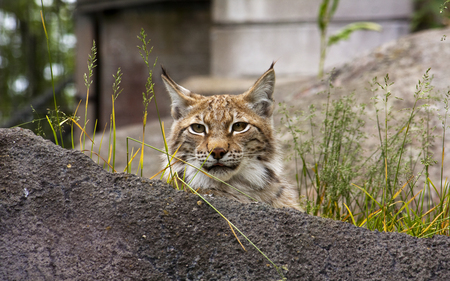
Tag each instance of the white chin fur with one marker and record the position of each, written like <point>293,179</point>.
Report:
<point>254,173</point>
<point>222,174</point>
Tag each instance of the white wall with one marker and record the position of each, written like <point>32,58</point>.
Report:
<point>249,34</point>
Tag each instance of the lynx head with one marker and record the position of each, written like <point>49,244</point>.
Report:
<point>230,137</point>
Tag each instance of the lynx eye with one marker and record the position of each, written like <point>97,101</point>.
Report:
<point>198,128</point>
<point>239,127</point>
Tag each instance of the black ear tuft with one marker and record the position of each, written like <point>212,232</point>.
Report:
<point>272,65</point>
<point>164,72</point>
<point>180,96</point>
<point>260,95</point>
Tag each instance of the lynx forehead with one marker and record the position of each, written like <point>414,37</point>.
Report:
<point>231,138</point>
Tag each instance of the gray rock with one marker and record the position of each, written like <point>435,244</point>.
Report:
<point>62,217</point>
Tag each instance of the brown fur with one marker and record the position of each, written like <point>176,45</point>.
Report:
<point>236,132</point>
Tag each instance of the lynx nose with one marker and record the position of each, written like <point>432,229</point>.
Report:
<point>218,153</point>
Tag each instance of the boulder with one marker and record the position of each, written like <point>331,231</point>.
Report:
<point>62,217</point>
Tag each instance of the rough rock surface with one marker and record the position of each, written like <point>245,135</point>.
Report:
<point>62,217</point>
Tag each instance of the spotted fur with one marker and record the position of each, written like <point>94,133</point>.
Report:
<point>233,137</point>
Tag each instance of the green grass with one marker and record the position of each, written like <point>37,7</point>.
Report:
<point>385,189</point>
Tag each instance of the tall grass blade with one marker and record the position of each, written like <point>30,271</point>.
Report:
<point>431,224</point>
<point>351,214</point>
<point>131,160</point>
<point>52,79</point>
<point>53,130</point>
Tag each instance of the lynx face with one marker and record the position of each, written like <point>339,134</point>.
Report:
<point>231,138</point>
<point>223,135</point>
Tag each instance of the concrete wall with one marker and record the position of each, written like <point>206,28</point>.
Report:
<point>249,34</point>
<point>179,32</point>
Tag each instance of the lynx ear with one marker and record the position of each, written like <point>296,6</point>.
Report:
<point>181,97</point>
<point>260,95</point>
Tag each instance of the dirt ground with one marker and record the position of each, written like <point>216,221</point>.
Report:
<point>62,217</point>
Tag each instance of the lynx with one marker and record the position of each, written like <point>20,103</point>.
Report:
<point>231,138</point>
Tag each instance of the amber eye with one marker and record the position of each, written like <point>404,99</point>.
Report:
<point>198,128</point>
<point>239,126</point>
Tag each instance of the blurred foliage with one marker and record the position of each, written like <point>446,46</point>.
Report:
<point>427,14</point>
<point>24,63</point>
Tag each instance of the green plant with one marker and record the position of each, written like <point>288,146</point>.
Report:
<point>429,14</point>
<point>330,159</point>
<point>115,95</point>
<point>326,13</point>
<point>381,189</point>
<point>92,59</point>
<point>26,75</point>
<point>149,94</point>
